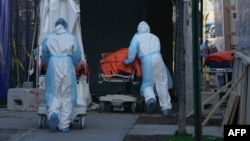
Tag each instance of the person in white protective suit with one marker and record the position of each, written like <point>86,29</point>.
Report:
<point>154,74</point>
<point>60,53</point>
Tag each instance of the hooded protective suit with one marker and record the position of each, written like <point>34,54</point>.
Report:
<point>61,52</point>
<point>147,47</point>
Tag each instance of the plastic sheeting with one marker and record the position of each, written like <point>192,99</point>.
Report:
<point>4,47</point>
<point>50,11</point>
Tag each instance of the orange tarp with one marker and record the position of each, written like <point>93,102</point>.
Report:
<point>221,56</point>
<point>113,63</point>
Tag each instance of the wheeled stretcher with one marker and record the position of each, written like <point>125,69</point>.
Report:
<point>79,111</point>
<point>220,65</point>
<point>114,71</point>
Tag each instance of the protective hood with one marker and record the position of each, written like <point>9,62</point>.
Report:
<point>62,22</point>
<point>61,26</point>
<point>143,27</point>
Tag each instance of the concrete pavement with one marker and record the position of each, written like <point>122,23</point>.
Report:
<point>149,129</point>
<point>112,126</point>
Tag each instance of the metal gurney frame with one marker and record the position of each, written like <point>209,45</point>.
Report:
<point>78,114</point>
<point>117,100</point>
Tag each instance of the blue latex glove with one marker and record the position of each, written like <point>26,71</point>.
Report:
<point>206,43</point>
<point>203,47</point>
<point>125,62</point>
<point>203,55</point>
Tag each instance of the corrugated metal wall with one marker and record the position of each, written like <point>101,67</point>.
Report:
<point>243,41</point>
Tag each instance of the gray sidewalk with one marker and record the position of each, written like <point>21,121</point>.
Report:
<point>146,129</point>
<point>112,126</point>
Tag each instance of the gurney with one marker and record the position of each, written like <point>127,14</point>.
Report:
<point>113,70</point>
<point>80,110</point>
<point>79,113</point>
<point>220,66</point>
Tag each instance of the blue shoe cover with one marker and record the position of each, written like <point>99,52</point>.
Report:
<point>53,121</point>
<point>166,112</point>
<point>151,105</point>
<point>65,130</point>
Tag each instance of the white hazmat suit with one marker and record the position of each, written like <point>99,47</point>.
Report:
<point>154,74</point>
<point>60,52</point>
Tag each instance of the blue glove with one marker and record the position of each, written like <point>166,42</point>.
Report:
<point>206,43</point>
<point>203,55</point>
<point>126,62</point>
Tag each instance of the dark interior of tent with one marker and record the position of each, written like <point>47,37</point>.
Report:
<point>110,25</point>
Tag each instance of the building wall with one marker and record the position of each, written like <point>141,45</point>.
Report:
<point>109,26</point>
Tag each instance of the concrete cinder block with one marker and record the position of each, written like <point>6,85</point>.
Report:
<point>28,85</point>
<point>25,99</point>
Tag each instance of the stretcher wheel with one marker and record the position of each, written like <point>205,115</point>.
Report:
<point>101,107</point>
<point>81,122</point>
<point>42,121</point>
<point>133,106</point>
